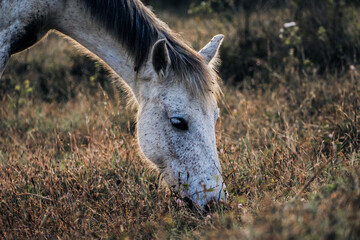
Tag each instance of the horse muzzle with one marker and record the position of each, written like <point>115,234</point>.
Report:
<point>206,196</point>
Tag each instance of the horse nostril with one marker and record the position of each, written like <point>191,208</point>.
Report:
<point>210,206</point>
<point>213,205</point>
<point>189,202</point>
<point>193,205</point>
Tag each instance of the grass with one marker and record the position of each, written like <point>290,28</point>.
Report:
<point>289,151</point>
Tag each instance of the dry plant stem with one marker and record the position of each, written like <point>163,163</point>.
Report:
<point>324,165</point>
<point>35,195</point>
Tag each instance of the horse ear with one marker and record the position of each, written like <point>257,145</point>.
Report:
<point>160,58</point>
<point>210,51</point>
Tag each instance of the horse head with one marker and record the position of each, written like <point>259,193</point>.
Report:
<point>176,126</point>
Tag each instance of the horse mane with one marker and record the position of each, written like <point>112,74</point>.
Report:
<point>137,29</point>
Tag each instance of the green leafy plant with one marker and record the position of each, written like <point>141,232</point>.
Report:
<point>23,91</point>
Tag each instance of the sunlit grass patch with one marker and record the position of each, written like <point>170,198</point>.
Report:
<point>292,169</point>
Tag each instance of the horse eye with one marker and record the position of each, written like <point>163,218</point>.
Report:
<point>179,123</point>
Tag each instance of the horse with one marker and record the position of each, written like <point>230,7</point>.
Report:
<point>175,87</point>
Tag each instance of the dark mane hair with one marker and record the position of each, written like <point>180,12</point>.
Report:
<point>137,29</point>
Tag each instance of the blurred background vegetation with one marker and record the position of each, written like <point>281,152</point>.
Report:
<point>316,36</point>
<point>264,39</point>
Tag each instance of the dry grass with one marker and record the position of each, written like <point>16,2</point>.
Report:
<point>289,152</point>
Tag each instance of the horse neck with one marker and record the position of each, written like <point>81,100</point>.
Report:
<point>77,23</point>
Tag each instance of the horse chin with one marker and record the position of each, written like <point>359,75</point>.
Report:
<point>205,202</point>
<point>198,199</point>
<point>208,201</point>
<point>202,199</point>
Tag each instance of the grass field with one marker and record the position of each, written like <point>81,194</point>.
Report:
<point>70,169</point>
